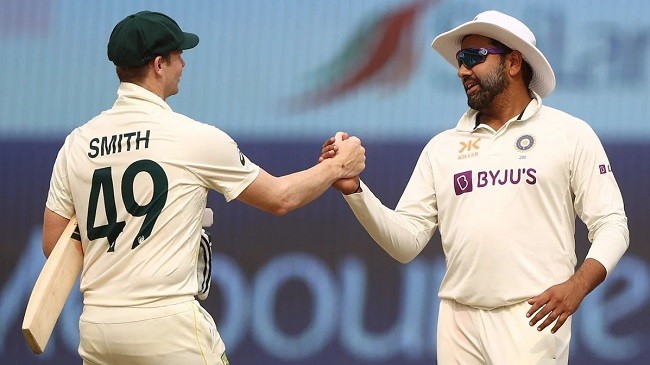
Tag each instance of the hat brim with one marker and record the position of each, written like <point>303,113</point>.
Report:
<point>191,40</point>
<point>448,44</point>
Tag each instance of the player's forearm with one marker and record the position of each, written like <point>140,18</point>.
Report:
<point>300,188</point>
<point>610,241</point>
<point>590,274</point>
<point>402,238</point>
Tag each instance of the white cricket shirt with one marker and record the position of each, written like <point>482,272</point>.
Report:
<point>505,203</point>
<point>137,177</point>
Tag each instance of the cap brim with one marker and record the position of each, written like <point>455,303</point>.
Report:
<point>448,43</point>
<point>190,41</point>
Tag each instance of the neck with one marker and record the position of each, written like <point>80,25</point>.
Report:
<point>505,107</point>
<point>153,86</point>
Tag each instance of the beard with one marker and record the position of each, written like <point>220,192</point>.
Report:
<point>490,86</point>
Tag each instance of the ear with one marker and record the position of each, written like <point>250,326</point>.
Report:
<point>516,62</point>
<point>157,65</point>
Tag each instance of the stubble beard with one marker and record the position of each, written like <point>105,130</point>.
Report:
<point>490,86</point>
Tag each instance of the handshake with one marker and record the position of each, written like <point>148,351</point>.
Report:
<point>349,154</point>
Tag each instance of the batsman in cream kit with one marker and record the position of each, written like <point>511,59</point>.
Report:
<point>141,274</point>
<point>137,178</point>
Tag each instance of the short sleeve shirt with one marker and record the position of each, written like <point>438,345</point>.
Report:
<point>137,178</point>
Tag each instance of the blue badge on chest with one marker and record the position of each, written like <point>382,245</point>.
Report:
<point>525,142</point>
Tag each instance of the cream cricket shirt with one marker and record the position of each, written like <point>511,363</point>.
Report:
<point>137,177</point>
<point>505,203</point>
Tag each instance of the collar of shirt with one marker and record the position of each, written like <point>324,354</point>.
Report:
<point>129,95</point>
<point>467,122</point>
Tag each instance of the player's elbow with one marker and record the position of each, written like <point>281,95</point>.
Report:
<point>403,259</point>
<point>283,202</point>
<point>47,250</point>
<point>279,210</point>
<point>48,244</point>
<point>49,241</point>
<point>285,205</point>
<point>402,248</point>
<point>276,207</point>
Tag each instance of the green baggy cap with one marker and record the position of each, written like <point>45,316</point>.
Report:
<point>142,36</point>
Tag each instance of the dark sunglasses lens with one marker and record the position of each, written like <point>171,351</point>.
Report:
<point>470,59</point>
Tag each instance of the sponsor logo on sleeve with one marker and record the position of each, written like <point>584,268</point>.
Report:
<point>242,159</point>
<point>224,359</point>
<point>604,169</point>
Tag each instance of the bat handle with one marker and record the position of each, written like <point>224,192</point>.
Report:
<point>208,217</point>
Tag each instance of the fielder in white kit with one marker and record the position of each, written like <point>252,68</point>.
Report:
<point>137,178</point>
<point>504,187</point>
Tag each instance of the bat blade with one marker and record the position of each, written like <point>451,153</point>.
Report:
<point>52,289</point>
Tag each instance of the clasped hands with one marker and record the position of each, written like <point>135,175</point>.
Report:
<point>342,143</point>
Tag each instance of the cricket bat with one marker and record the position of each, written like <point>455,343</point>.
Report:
<point>52,288</point>
<point>55,282</point>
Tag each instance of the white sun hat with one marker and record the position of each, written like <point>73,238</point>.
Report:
<point>507,30</point>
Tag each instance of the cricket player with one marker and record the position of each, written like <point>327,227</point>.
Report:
<point>504,187</point>
<point>137,177</point>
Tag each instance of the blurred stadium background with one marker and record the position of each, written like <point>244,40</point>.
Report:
<point>280,77</point>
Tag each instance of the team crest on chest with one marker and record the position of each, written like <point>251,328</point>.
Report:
<point>525,142</point>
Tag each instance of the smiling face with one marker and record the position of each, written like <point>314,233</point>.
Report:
<point>486,80</point>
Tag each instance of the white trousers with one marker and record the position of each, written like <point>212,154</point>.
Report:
<point>502,336</point>
<point>176,334</point>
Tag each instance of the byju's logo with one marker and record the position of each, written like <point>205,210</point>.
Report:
<point>463,182</point>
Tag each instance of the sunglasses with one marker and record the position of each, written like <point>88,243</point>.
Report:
<point>471,57</point>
